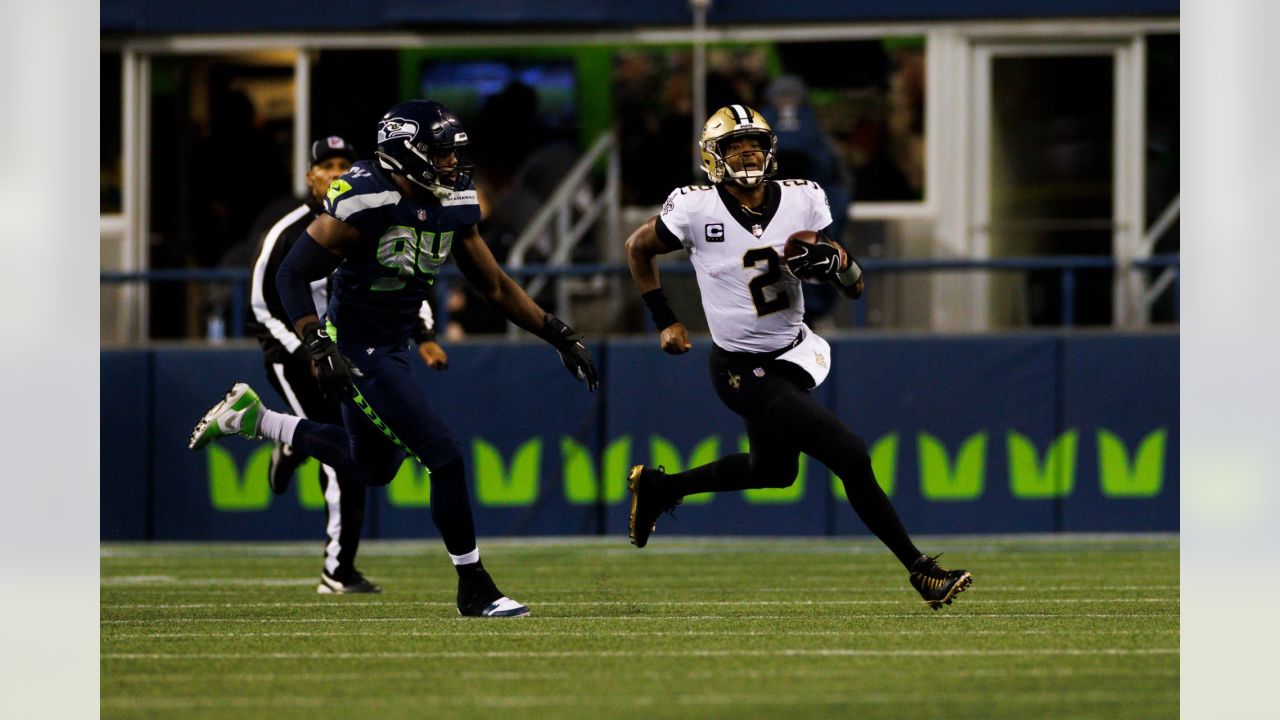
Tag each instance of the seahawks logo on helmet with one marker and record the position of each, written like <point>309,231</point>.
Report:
<point>423,141</point>
<point>397,127</point>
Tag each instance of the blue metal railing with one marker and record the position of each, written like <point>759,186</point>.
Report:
<point>1067,265</point>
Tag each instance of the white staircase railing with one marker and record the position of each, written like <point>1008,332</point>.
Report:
<point>566,218</point>
<point>1167,276</point>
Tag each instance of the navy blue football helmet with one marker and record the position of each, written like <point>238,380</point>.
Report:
<point>418,139</point>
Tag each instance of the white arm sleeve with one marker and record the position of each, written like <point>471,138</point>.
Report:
<point>278,328</point>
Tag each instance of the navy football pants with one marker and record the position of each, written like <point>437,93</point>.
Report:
<point>389,416</point>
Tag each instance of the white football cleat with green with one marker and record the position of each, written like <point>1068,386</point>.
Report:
<point>237,414</point>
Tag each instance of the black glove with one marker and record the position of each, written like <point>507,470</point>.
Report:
<point>573,353</point>
<point>814,261</point>
<point>333,370</point>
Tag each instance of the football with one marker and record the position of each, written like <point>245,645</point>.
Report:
<point>797,241</point>
<point>795,247</point>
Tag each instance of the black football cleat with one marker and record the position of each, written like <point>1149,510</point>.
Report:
<point>350,583</point>
<point>648,501</point>
<point>479,597</point>
<point>284,462</point>
<point>936,584</point>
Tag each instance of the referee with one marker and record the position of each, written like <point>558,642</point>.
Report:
<point>290,372</point>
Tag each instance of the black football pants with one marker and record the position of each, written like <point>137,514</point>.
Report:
<point>344,495</point>
<point>783,420</point>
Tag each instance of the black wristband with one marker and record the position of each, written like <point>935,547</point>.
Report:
<point>556,332</point>
<point>312,331</point>
<point>659,309</point>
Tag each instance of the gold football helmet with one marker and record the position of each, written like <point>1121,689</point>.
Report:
<point>736,121</point>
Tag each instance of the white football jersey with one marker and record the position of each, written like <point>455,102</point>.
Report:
<point>752,301</point>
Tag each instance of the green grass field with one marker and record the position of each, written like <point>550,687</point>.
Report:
<point>1062,627</point>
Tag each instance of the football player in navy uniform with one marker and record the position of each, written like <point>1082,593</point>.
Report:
<point>388,227</point>
<point>288,366</point>
<point>765,360</point>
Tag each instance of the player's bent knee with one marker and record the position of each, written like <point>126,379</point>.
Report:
<point>775,475</point>
<point>378,474</point>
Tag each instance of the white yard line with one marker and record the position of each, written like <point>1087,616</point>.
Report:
<point>170,581</point>
<point>646,700</point>
<point>710,673</point>
<point>849,544</point>
<point>621,633</point>
<point>640,618</point>
<point>780,652</point>
<point>615,603</point>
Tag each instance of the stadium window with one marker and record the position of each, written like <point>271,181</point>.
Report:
<point>111,164</point>
<point>1163,185</point>
<point>224,123</point>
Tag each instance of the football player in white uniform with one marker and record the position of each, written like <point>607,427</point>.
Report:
<point>765,360</point>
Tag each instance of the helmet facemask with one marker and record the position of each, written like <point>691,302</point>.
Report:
<point>442,181</point>
<point>422,170</point>
<point>744,177</point>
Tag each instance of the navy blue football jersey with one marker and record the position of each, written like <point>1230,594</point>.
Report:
<point>379,287</point>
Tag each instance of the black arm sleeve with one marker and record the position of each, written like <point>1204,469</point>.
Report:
<point>306,261</point>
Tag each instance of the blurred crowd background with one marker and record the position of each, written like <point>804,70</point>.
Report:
<point>1037,153</point>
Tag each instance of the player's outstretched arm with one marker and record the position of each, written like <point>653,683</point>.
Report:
<point>483,272</point>
<point>643,249</point>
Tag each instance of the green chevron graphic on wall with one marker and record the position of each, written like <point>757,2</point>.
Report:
<point>945,474</point>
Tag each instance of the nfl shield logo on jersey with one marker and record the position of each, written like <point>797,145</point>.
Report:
<point>422,215</point>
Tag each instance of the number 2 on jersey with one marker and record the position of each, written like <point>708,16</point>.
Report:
<point>772,274</point>
<point>401,249</point>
